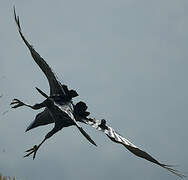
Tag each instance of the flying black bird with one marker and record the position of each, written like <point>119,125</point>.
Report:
<point>59,109</point>
<point>59,106</point>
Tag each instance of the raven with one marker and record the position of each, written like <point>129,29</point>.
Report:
<point>59,109</point>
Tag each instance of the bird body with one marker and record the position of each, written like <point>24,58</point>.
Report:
<point>62,114</point>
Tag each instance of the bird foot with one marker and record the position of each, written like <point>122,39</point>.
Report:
<point>16,103</point>
<point>33,151</point>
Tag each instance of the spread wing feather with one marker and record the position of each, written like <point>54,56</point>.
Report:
<point>55,85</point>
<point>117,138</point>
<point>41,119</point>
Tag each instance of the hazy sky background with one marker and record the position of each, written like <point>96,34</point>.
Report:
<point>128,60</point>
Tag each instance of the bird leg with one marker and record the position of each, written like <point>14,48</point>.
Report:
<point>17,103</point>
<point>34,149</point>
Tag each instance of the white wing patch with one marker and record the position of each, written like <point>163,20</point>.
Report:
<point>114,136</point>
<point>110,132</point>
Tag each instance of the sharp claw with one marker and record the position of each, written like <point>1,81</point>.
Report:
<point>13,102</point>
<point>16,103</point>
<point>34,155</point>
<point>32,151</point>
<point>28,154</point>
<point>16,106</point>
<point>16,99</point>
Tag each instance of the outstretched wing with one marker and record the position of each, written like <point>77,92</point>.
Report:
<point>117,138</point>
<point>41,119</point>
<point>55,85</point>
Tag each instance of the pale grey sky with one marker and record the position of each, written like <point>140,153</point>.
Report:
<point>127,59</point>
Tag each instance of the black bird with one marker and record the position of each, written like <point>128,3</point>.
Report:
<point>62,115</point>
<point>59,103</point>
<point>59,106</point>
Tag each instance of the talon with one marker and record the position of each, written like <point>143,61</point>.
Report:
<point>17,103</point>
<point>32,151</point>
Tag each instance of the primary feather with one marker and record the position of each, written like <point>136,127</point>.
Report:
<point>117,138</point>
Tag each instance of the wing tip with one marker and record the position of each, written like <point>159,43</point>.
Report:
<point>174,171</point>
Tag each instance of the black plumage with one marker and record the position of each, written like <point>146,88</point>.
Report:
<point>59,109</point>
